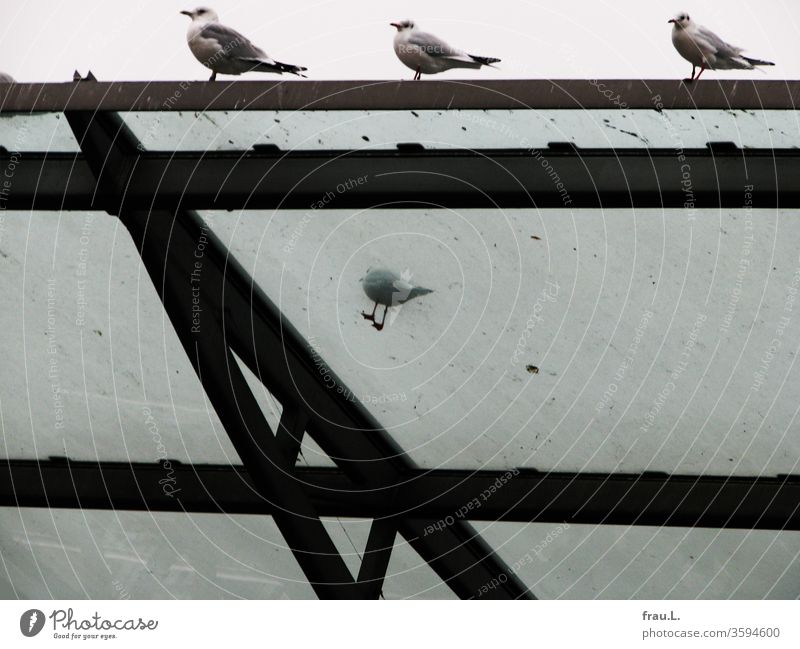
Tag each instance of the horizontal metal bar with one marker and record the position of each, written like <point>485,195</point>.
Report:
<point>399,95</point>
<point>559,177</point>
<point>440,497</point>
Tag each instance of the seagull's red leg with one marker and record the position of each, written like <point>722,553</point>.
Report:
<point>418,75</point>
<point>213,76</point>
<point>694,68</point>
<point>380,326</point>
<point>372,315</point>
<point>702,69</point>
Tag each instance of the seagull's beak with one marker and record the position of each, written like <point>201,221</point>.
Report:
<point>187,13</point>
<point>395,25</point>
<point>671,20</point>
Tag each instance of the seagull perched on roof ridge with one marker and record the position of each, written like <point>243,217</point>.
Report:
<point>704,49</point>
<point>224,50</point>
<point>427,54</point>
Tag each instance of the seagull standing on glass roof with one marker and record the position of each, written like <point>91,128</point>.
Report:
<point>388,289</point>
<point>704,49</point>
<point>224,50</point>
<point>426,54</point>
<point>6,78</point>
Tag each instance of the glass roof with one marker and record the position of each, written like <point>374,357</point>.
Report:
<point>37,132</point>
<point>613,340</point>
<point>622,340</point>
<point>76,554</point>
<point>313,130</point>
<point>559,561</point>
<point>100,373</point>
<point>73,554</point>
<point>350,129</point>
<point>407,577</point>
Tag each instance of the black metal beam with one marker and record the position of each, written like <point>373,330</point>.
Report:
<point>296,375</point>
<point>399,95</point>
<point>192,305</point>
<point>239,318</point>
<point>377,553</point>
<point>289,435</point>
<point>438,497</point>
<point>511,178</point>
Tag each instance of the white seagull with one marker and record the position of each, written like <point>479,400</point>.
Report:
<point>224,50</point>
<point>704,49</point>
<point>389,289</point>
<point>426,54</point>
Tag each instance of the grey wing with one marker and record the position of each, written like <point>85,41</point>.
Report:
<point>722,48</point>
<point>234,44</point>
<point>436,47</point>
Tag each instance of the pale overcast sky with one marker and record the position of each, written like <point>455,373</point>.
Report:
<point>45,40</point>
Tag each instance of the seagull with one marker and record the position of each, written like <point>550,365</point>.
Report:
<point>425,53</point>
<point>389,289</point>
<point>703,48</point>
<point>6,78</point>
<point>224,50</point>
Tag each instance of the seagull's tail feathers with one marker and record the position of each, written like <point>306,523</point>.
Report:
<point>757,61</point>
<point>417,291</point>
<point>484,60</point>
<point>291,69</point>
<point>277,66</point>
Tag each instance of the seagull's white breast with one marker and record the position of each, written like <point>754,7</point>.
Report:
<point>415,57</point>
<point>689,47</point>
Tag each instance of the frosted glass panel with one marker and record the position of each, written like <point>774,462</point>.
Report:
<point>36,132</point>
<point>474,129</point>
<point>92,366</point>
<point>610,562</point>
<point>590,340</point>
<point>73,554</point>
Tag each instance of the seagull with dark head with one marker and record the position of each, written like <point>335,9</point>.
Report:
<point>225,51</point>
<point>426,54</point>
<point>705,50</point>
